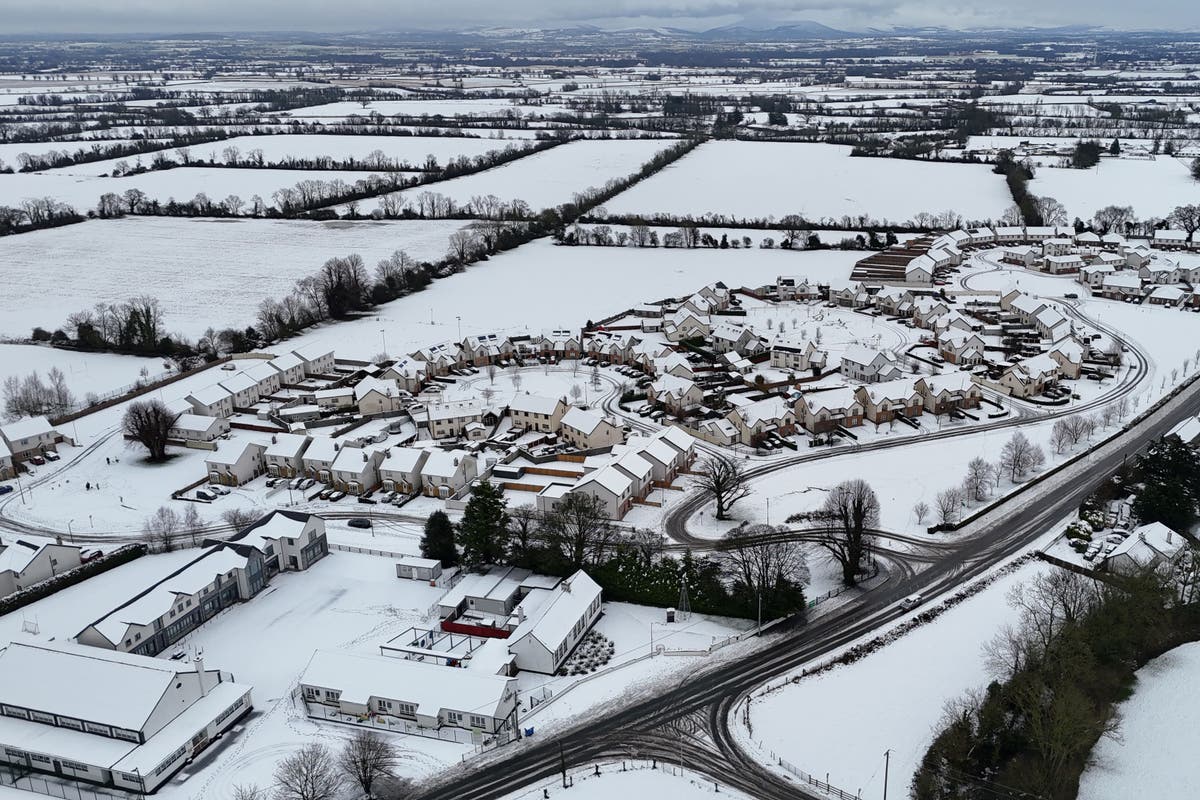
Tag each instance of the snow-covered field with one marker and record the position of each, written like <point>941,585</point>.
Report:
<point>772,179</point>
<point>275,148</point>
<point>483,107</point>
<point>552,177</point>
<point>841,721</point>
<point>86,372</point>
<point>543,286</point>
<point>204,272</point>
<point>1152,188</point>
<point>1141,762</point>
<point>180,184</point>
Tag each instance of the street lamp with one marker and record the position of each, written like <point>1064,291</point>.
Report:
<point>70,532</point>
<point>459,318</point>
<point>383,334</point>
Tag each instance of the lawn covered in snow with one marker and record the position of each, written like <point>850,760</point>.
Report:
<point>774,179</point>
<point>1151,757</point>
<point>841,721</point>
<point>1152,188</point>
<point>205,272</point>
<point>638,782</point>
<point>551,177</point>
<point>86,372</point>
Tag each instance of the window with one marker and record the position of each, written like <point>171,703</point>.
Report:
<point>455,717</point>
<point>477,721</point>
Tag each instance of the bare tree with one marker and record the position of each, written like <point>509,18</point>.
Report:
<point>1108,415</point>
<point>311,773</point>
<point>149,423</point>
<point>768,568</point>
<point>238,518</point>
<point>491,370</point>
<point>723,478</point>
<point>978,479</point>
<point>249,791</point>
<point>1060,437</point>
<point>1020,455</point>
<point>1122,408</point>
<point>921,511</point>
<point>580,530</point>
<point>948,504</point>
<point>850,511</point>
<point>159,529</point>
<point>367,759</point>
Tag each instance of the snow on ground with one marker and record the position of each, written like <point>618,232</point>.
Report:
<point>346,601</point>
<point>206,273</point>
<point>841,721</point>
<point>742,180</point>
<point>546,286</point>
<point>1139,763</point>
<point>1152,188</point>
<point>86,372</point>
<point>9,151</point>
<point>551,177</point>
<point>180,184</point>
<point>639,782</point>
<point>275,148</point>
<point>483,107</point>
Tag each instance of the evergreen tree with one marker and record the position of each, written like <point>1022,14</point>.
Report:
<point>1114,149</point>
<point>483,532</point>
<point>438,541</point>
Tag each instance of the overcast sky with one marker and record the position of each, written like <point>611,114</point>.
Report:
<point>117,16</point>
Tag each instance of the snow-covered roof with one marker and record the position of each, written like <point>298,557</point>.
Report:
<point>586,421</point>
<point>321,448</point>
<point>1038,365</point>
<point>837,399</point>
<point>262,371</point>
<point>552,621</point>
<point>444,463</point>
<point>210,395</point>
<point>445,411</point>
<point>534,404</point>
<point>287,445</point>
<point>431,688</point>
<point>239,382</point>
<point>672,385</point>
<point>312,351</point>
<point>353,459</point>
<point>1170,293</point>
<point>862,356</point>
<point>195,423</point>
<point>1027,305</point>
<point>610,478</point>
<point>26,428</point>
<point>949,382</point>
<point>157,600</point>
<point>1123,280</point>
<point>1148,542</point>
<point>81,682</point>
<point>1170,235</point>
<point>897,391</point>
<point>286,362</point>
<point>634,465</point>
<point>17,555</point>
<point>271,527</point>
<point>768,410</point>
<point>367,385</point>
<point>404,459</point>
<point>677,437</point>
<point>233,454</point>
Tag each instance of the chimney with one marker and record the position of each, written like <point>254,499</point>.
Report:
<point>1170,533</point>
<point>198,661</point>
<point>364,456</point>
<point>566,586</point>
<point>274,439</point>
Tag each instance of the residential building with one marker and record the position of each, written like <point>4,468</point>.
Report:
<point>759,419</point>
<point>864,365</point>
<point>487,348</point>
<point>243,388</point>
<point>884,402</point>
<point>196,428</point>
<point>290,368</point>
<point>402,692</point>
<point>790,353</point>
<point>356,470</point>
<point>676,394</point>
<point>24,564</point>
<point>265,376</point>
<point>317,458</point>
<point>447,472</point>
<point>212,401</point>
<point>400,470</point>
<point>449,420</point>
<point>110,718</point>
<point>533,412</point>
<point>1148,547</point>
<point>588,429</point>
<point>826,410</point>
<point>8,467</point>
<point>555,622</point>
<point>408,373</point>
<point>951,391</point>
<point>284,457</point>
<point>317,359</point>
<point>377,396</point>
<point>236,463</point>
<point>335,399</point>
<point>961,347</point>
<point>611,487</point>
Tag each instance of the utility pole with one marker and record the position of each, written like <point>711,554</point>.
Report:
<point>887,762</point>
<point>562,761</point>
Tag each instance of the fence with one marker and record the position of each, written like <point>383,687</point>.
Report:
<point>816,783</point>
<point>554,786</point>
<point>53,788</point>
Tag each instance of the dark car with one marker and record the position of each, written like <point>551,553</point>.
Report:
<point>5,489</point>
<point>359,522</point>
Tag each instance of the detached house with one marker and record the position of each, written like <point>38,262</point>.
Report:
<point>793,354</point>
<point>961,347</point>
<point>676,394</point>
<point>24,564</point>
<point>757,420</point>
<point>447,472</point>
<point>376,396</point>
<point>732,337</point>
<point>197,428</point>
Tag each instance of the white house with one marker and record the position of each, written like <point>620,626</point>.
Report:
<point>611,487</point>
<point>865,365</point>
<point>376,396</point>
<point>1147,547</point>
<point>212,401</point>
<point>290,368</point>
<point>533,412</point>
<point>400,470</point>
<point>243,388</point>
<point>29,437</point>
<point>356,470</point>
<point>284,457</point>
<point>447,472</point>
<point>795,354</point>
<point>24,564</point>
<point>675,393</point>
<point>198,428</point>
<point>334,399</point>
<point>555,622</point>
<point>265,376</point>
<point>317,359</point>
<point>110,718</point>
<point>235,463</point>
<point>401,693</point>
<point>590,430</point>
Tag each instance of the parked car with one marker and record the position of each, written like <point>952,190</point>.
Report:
<point>333,498</point>
<point>911,600</point>
<point>51,455</point>
<point>359,522</point>
<point>37,460</point>
<point>221,490</point>
<point>5,489</point>
<point>325,494</point>
<point>203,495</point>
<point>271,482</point>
